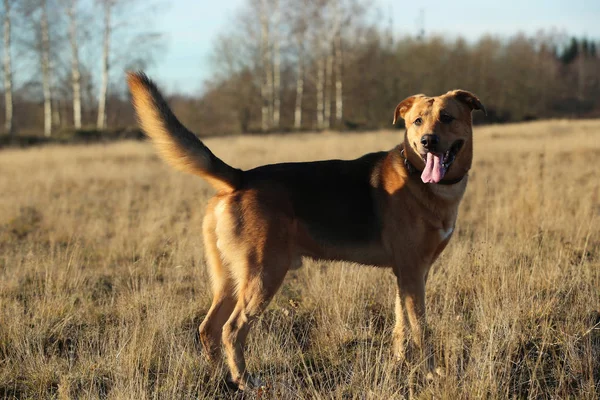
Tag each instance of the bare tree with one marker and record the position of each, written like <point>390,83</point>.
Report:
<point>276,66</point>
<point>264,46</point>
<point>56,117</point>
<point>46,68</point>
<point>319,46</point>
<point>328,87</point>
<point>51,51</point>
<point>107,6</point>
<point>339,62</point>
<point>136,48</point>
<point>320,86</point>
<point>297,15</point>
<point>267,83</point>
<point>331,48</point>
<point>8,100</point>
<point>329,22</point>
<point>299,82</point>
<point>71,9</point>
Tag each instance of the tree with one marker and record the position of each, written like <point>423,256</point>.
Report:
<point>266,89</point>
<point>276,65</point>
<point>330,16</point>
<point>570,52</point>
<point>299,20</point>
<point>339,62</point>
<point>71,9</point>
<point>8,91</point>
<point>107,9</point>
<point>46,68</point>
<point>137,47</point>
<point>327,53</point>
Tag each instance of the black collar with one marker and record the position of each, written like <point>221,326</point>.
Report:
<point>412,170</point>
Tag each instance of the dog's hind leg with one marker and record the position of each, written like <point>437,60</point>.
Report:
<point>224,297</point>
<point>254,298</point>
<point>266,265</point>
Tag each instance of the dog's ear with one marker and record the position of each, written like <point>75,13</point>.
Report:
<point>404,106</point>
<point>469,99</point>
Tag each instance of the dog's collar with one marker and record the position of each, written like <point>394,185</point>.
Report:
<point>412,170</point>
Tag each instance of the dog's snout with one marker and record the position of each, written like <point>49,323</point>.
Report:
<point>430,142</point>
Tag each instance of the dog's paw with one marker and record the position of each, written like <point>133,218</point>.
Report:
<point>230,382</point>
<point>244,383</point>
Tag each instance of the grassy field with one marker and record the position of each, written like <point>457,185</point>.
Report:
<point>103,285</point>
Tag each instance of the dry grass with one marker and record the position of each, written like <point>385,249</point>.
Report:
<point>102,283</point>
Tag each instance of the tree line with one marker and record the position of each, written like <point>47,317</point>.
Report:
<point>284,65</point>
<point>320,64</point>
<point>63,61</point>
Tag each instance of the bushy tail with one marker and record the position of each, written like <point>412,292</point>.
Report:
<point>176,145</point>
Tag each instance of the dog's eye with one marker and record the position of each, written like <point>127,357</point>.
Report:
<point>418,121</point>
<point>446,119</point>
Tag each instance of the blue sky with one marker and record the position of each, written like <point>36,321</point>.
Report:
<point>191,26</point>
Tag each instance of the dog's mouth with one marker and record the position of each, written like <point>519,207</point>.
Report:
<point>437,164</point>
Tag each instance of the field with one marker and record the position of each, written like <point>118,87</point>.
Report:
<point>103,285</point>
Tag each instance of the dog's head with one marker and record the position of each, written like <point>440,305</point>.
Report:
<point>439,135</point>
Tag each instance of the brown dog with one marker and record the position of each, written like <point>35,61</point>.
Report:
<point>390,209</point>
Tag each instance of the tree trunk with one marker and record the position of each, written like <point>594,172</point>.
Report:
<point>299,89</point>
<point>56,121</point>
<point>320,87</point>
<point>101,123</point>
<point>581,78</point>
<point>339,106</point>
<point>328,88</point>
<point>8,123</point>
<point>276,70</point>
<point>46,84</point>
<point>75,74</point>
<point>266,85</point>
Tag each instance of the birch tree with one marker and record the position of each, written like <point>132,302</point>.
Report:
<point>8,100</point>
<point>329,25</point>
<point>276,65</point>
<point>71,9</point>
<point>266,89</point>
<point>328,87</point>
<point>285,40</point>
<point>299,79</point>
<point>335,56</point>
<point>107,8</point>
<point>37,38</point>
<point>46,68</point>
<point>136,44</point>
<point>297,15</point>
<point>320,86</point>
<point>339,62</point>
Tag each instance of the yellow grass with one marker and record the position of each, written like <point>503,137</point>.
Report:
<point>103,285</point>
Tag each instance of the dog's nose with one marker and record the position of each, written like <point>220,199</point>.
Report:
<point>430,142</point>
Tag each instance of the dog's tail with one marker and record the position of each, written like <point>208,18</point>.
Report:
<point>176,145</point>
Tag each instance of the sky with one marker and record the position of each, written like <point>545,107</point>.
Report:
<point>191,26</point>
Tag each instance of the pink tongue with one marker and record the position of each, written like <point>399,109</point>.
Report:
<point>434,170</point>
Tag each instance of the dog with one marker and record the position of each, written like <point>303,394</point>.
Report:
<point>394,209</point>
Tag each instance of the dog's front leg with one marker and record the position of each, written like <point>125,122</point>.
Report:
<point>399,334</point>
<point>410,305</point>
